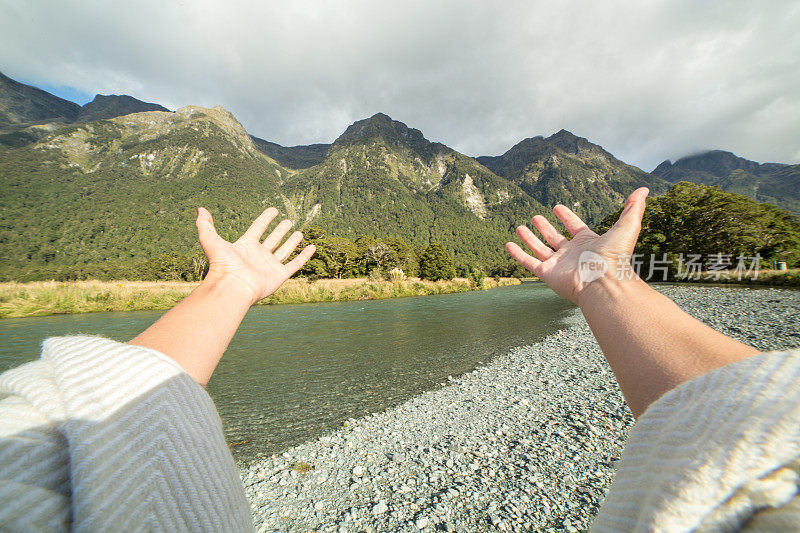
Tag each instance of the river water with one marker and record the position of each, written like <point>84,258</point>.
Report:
<point>294,372</point>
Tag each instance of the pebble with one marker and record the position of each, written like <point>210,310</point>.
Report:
<point>528,441</point>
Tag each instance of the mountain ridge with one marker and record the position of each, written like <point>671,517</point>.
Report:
<point>118,182</point>
<point>115,105</point>
<point>565,168</point>
<point>775,183</point>
<point>24,105</point>
<point>383,177</point>
<point>293,157</point>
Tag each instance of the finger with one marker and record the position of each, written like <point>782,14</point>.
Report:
<point>260,224</point>
<point>295,264</point>
<point>530,263</point>
<point>277,234</point>
<point>551,234</point>
<point>630,221</point>
<point>571,221</point>
<point>540,249</point>
<point>288,247</point>
<point>206,232</point>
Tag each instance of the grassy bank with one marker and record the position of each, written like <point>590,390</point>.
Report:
<point>52,297</point>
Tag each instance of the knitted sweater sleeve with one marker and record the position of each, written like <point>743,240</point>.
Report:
<point>99,435</point>
<point>718,453</point>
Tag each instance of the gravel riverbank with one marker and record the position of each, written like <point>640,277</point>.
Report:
<point>529,441</point>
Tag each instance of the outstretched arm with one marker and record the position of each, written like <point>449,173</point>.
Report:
<point>650,343</point>
<point>196,331</point>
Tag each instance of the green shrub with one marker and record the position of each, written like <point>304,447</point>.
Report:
<point>435,263</point>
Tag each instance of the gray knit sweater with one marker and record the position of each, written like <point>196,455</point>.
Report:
<point>98,435</point>
<point>102,436</point>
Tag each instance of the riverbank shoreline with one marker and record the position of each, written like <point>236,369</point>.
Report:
<point>765,278</point>
<point>527,442</point>
<point>43,298</point>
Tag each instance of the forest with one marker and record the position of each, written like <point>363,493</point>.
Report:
<point>699,220</point>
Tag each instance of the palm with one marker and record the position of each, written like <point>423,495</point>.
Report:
<point>558,264</point>
<point>258,267</point>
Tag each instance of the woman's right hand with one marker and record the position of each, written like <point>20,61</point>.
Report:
<point>253,268</point>
<point>559,265</point>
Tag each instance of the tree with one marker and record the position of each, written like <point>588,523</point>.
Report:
<point>435,263</point>
<point>406,256</point>
<point>476,276</point>
<point>363,243</point>
<point>695,219</point>
<point>315,268</point>
<point>343,256</point>
<point>314,233</point>
<point>380,257</point>
<point>199,266</point>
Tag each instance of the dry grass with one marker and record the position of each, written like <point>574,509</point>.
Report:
<point>52,297</point>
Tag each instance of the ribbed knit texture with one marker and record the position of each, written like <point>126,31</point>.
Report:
<point>97,435</point>
<point>718,453</point>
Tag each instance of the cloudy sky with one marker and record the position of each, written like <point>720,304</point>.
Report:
<point>648,80</point>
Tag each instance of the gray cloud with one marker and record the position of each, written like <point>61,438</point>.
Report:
<point>648,80</point>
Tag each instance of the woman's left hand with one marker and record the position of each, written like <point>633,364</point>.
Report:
<point>254,267</point>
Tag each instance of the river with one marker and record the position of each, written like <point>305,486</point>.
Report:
<point>294,372</point>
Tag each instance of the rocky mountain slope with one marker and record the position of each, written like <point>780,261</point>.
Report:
<point>28,113</point>
<point>294,157</point>
<point>112,106</point>
<point>22,105</point>
<point>94,195</point>
<point>775,183</point>
<point>118,181</point>
<point>568,169</point>
<point>382,177</point>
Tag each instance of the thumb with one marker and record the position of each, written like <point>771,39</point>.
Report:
<point>206,232</point>
<point>630,220</point>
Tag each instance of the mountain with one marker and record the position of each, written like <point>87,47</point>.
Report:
<point>98,190</point>
<point>294,157</point>
<point>381,177</point>
<point>23,105</point>
<point>111,106</point>
<point>90,197</point>
<point>28,113</point>
<point>568,169</point>
<point>775,183</point>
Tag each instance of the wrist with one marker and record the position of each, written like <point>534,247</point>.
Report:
<point>608,289</point>
<point>231,289</point>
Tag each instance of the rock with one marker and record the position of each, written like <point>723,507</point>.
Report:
<point>397,457</point>
<point>422,522</point>
<point>474,456</point>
